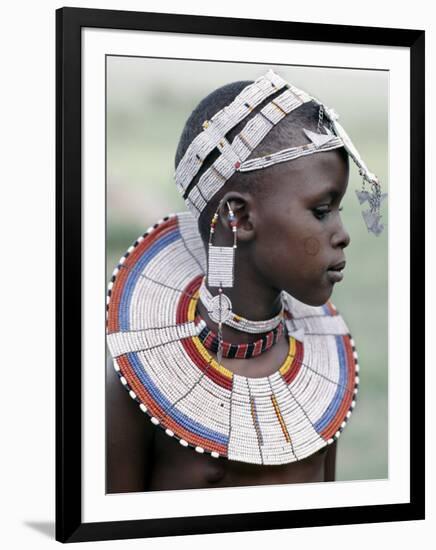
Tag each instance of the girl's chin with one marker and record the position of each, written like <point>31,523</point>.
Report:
<point>314,300</point>
<point>317,303</point>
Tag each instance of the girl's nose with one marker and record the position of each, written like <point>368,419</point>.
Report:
<point>341,237</point>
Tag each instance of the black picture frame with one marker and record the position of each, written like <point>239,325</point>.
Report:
<point>69,22</point>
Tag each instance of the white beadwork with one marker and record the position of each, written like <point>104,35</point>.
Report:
<point>124,342</point>
<point>221,123</point>
<point>236,321</point>
<point>288,154</point>
<point>220,308</point>
<point>221,264</point>
<point>244,143</point>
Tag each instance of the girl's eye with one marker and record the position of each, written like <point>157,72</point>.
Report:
<point>322,211</point>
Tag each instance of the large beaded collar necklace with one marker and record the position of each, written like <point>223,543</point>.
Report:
<point>154,341</point>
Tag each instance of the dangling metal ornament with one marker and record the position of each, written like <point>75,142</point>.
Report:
<point>374,197</point>
<point>362,196</point>
<point>318,139</point>
<point>221,308</point>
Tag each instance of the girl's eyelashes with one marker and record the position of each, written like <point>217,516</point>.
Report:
<point>322,211</point>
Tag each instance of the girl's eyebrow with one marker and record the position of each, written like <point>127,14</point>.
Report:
<point>331,194</point>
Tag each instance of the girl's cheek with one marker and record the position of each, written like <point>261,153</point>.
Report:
<point>311,246</point>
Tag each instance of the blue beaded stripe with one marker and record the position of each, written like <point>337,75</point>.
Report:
<point>166,405</point>
<point>332,409</point>
<point>326,310</point>
<point>135,274</point>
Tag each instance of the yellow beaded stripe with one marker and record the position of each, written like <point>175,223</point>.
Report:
<point>209,359</point>
<point>279,108</point>
<point>192,306</point>
<point>214,364</point>
<point>290,357</point>
<point>198,344</point>
<point>280,418</point>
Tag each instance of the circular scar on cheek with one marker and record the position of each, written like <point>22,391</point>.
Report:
<point>311,246</point>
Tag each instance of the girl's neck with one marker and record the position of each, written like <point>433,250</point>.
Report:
<point>251,300</point>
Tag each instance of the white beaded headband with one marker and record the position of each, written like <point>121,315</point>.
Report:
<point>233,156</point>
<point>221,123</point>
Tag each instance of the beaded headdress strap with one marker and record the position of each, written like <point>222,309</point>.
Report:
<point>221,123</point>
<point>233,156</point>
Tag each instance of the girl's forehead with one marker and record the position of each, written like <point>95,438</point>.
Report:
<point>322,174</point>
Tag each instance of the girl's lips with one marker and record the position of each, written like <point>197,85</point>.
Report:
<point>337,267</point>
<point>335,272</point>
<point>335,276</point>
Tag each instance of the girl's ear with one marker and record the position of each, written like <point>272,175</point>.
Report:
<point>241,205</point>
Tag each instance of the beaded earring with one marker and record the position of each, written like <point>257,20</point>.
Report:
<point>220,273</point>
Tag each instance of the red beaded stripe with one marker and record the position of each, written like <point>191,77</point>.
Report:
<point>160,231</point>
<point>191,350</point>
<point>226,348</point>
<point>202,364</point>
<point>118,286</point>
<point>185,298</point>
<point>158,412</point>
<point>241,351</point>
<point>269,338</point>
<point>208,340</point>
<point>340,416</point>
<point>257,347</point>
<point>295,367</point>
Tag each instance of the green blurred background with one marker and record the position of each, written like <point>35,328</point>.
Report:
<point>148,102</point>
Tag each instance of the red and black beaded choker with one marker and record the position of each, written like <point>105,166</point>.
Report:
<point>210,341</point>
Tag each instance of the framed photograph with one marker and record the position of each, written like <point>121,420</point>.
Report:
<point>192,215</point>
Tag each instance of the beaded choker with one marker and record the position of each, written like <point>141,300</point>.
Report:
<point>236,321</point>
<point>210,341</point>
<point>287,416</point>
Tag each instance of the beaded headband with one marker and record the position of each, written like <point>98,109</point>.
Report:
<point>233,156</point>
